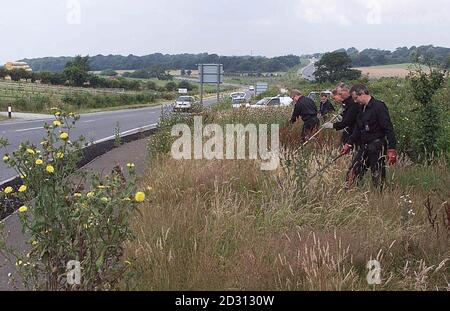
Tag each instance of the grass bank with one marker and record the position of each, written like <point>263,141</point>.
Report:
<point>226,225</point>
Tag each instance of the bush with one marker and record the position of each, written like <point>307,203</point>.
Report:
<point>68,215</point>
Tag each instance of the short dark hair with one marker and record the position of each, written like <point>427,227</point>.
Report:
<point>360,89</point>
<point>334,92</point>
<point>296,93</point>
<point>323,94</point>
<point>342,86</point>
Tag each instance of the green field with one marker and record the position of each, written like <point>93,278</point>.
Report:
<point>283,78</point>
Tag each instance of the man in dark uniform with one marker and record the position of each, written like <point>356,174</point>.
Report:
<point>326,106</point>
<point>375,132</point>
<point>306,109</point>
<point>351,111</point>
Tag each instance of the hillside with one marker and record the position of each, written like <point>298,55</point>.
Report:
<point>180,61</point>
<point>402,55</point>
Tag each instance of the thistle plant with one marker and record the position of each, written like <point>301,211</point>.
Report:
<point>68,215</point>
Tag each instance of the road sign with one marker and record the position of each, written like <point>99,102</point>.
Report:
<point>210,73</point>
<point>261,87</point>
<point>182,91</point>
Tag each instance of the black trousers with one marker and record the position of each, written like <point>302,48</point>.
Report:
<point>371,156</point>
<point>310,126</point>
<point>345,136</point>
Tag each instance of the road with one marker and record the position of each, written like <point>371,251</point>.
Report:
<point>308,71</point>
<point>93,126</point>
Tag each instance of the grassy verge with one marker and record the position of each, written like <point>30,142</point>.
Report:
<point>2,118</point>
<point>226,225</point>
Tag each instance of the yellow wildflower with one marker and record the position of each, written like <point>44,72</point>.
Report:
<point>64,136</point>
<point>50,169</point>
<point>90,195</point>
<point>9,190</point>
<point>39,162</point>
<point>57,123</point>
<point>31,151</point>
<point>23,188</point>
<point>139,197</point>
<point>5,158</point>
<point>23,209</point>
<point>60,155</point>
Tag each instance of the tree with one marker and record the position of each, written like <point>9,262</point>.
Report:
<point>19,74</point>
<point>186,85</point>
<point>3,72</point>
<point>77,71</point>
<point>171,86</point>
<point>151,85</point>
<point>424,85</point>
<point>336,66</point>
<point>447,63</point>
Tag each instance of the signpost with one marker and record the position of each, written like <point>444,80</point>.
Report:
<point>210,74</point>
<point>261,87</point>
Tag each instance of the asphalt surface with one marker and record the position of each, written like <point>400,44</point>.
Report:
<point>93,126</point>
<point>308,71</point>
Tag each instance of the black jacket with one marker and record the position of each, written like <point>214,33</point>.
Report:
<point>374,123</point>
<point>305,108</point>
<point>351,111</point>
<point>326,108</point>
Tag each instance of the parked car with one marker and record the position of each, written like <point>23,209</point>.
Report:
<point>277,101</point>
<point>316,95</point>
<point>251,88</point>
<point>239,102</point>
<point>184,103</point>
<point>238,95</point>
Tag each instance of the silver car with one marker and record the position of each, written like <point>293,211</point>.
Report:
<point>184,104</point>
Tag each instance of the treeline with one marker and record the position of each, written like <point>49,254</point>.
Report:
<point>77,73</point>
<point>402,55</point>
<point>179,62</point>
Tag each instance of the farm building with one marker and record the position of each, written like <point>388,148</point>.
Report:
<point>17,65</point>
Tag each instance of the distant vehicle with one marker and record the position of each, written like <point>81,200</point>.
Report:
<point>316,95</point>
<point>239,102</point>
<point>238,95</point>
<point>251,88</point>
<point>184,103</point>
<point>278,101</point>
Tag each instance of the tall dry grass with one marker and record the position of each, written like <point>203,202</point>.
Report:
<point>226,225</point>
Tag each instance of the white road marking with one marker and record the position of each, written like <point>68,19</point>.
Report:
<point>23,122</point>
<point>31,129</point>
<point>124,133</point>
<point>89,121</point>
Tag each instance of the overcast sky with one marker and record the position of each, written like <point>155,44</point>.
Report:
<point>40,28</point>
